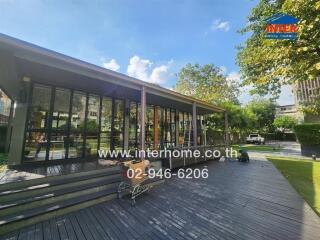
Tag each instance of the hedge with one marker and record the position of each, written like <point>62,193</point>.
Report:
<point>308,133</point>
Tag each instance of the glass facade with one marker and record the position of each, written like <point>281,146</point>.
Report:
<point>106,123</point>
<point>67,124</point>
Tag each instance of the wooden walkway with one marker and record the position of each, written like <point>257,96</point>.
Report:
<point>237,201</point>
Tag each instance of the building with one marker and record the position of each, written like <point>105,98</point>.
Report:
<point>289,110</point>
<point>67,109</point>
<point>306,92</point>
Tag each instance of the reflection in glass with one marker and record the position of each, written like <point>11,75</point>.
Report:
<point>168,128</point>
<point>188,129</point>
<point>92,125</point>
<point>58,146</point>
<point>149,127</point>
<point>78,111</point>
<point>181,129</point>
<point>133,126</point>
<point>35,146</point>
<point>173,127</point>
<point>92,144</point>
<point>118,124</point>
<point>40,107</point>
<point>93,114</point>
<point>75,145</point>
<point>157,127</point>
<point>60,116</point>
<point>105,141</point>
<point>162,127</point>
<point>106,118</point>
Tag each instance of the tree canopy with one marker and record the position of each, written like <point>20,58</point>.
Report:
<point>264,110</point>
<point>206,82</point>
<point>266,63</point>
<point>285,122</point>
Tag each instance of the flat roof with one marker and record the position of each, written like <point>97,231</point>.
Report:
<point>23,49</point>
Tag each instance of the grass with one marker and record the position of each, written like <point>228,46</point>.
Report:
<point>253,147</point>
<point>303,175</point>
<point>3,161</point>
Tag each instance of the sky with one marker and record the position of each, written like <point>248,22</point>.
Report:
<point>147,39</point>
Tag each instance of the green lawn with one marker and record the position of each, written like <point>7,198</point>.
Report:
<point>253,147</point>
<point>303,175</point>
<point>3,161</point>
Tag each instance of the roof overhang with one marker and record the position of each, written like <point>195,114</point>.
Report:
<point>37,55</point>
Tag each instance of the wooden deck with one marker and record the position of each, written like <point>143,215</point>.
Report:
<point>237,201</point>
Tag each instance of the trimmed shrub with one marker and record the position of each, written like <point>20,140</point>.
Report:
<point>308,133</point>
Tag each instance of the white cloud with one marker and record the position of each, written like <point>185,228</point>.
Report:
<point>141,69</point>
<point>138,68</point>
<point>223,69</point>
<point>159,74</point>
<point>112,65</point>
<point>218,24</point>
<point>234,77</point>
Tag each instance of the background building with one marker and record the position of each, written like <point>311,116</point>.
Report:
<point>306,92</point>
<point>290,110</point>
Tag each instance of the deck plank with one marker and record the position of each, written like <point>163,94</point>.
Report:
<point>237,201</point>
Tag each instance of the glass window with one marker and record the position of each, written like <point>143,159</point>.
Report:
<point>93,114</point>
<point>106,120</point>
<point>91,144</point>
<point>60,116</point>
<point>181,129</point>
<point>92,129</point>
<point>173,127</point>
<point>157,127</point>
<point>168,128</point>
<point>40,107</point>
<point>76,145</point>
<point>133,126</point>
<point>150,127</point>
<point>58,146</point>
<point>35,146</point>
<point>118,124</point>
<point>78,111</point>
<point>162,127</point>
<point>188,129</point>
<point>139,125</point>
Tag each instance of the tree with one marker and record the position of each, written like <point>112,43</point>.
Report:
<point>264,111</point>
<point>312,107</point>
<point>207,83</point>
<point>239,118</point>
<point>267,64</point>
<point>285,123</point>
